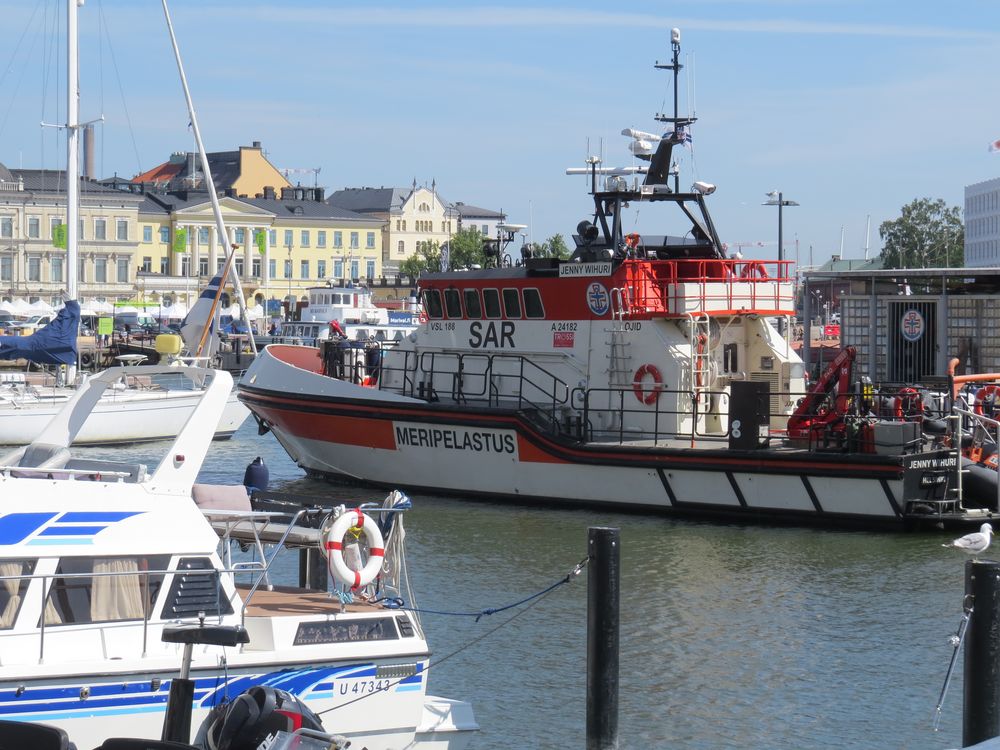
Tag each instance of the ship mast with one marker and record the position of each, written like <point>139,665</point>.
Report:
<point>680,134</point>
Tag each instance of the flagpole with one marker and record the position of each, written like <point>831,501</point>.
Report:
<point>209,183</point>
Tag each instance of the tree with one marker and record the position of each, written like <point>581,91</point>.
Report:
<point>466,249</point>
<point>427,258</point>
<point>553,247</point>
<point>928,234</point>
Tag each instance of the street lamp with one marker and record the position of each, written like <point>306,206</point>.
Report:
<point>777,199</point>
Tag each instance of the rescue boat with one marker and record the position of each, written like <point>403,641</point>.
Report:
<point>647,371</point>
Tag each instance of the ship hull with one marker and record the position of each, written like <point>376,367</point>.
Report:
<point>348,432</point>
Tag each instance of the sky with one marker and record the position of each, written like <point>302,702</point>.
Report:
<point>851,108</point>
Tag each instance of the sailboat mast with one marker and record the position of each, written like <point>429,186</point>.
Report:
<point>72,148</point>
<point>207,172</point>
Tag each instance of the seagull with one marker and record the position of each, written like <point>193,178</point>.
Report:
<point>975,543</point>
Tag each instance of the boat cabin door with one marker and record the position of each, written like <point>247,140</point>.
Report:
<point>911,340</point>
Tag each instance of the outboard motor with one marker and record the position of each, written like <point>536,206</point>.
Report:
<point>256,715</point>
<point>256,476</point>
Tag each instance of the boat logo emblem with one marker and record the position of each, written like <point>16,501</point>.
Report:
<point>911,325</point>
<point>597,298</point>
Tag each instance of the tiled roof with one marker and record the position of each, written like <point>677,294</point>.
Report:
<point>54,181</point>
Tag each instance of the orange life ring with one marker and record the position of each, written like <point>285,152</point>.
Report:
<point>422,317</point>
<point>647,397</point>
<point>754,269</point>
<point>632,241</point>
<point>987,392</point>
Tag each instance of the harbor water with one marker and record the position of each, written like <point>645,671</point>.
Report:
<point>732,636</point>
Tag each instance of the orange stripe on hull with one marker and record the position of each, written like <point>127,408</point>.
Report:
<point>528,451</point>
<point>368,433</point>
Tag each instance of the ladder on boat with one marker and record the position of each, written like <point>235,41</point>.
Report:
<point>619,358</point>
<point>700,336</point>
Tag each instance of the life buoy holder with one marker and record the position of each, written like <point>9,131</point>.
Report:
<point>987,393</point>
<point>908,404</point>
<point>754,269</point>
<point>333,546</point>
<point>638,384</point>
<point>632,241</point>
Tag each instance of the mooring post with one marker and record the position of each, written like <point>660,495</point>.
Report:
<point>981,712</point>
<point>603,576</point>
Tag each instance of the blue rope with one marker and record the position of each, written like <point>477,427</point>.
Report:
<point>399,603</point>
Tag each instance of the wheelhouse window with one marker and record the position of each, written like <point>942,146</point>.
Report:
<point>473,307</point>
<point>512,303</point>
<point>432,303</point>
<point>453,303</point>
<point>533,304</point>
<point>104,589</point>
<point>491,302</point>
<point>12,589</point>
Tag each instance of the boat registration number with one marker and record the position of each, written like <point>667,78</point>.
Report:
<point>364,687</point>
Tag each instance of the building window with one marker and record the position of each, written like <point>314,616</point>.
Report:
<point>320,269</point>
<point>404,225</point>
<point>399,248</point>
<point>147,233</point>
<point>123,270</point>
<point>203,266</point>
<point>202,235</point>
<point>186,266</point>
<point>288,269</point>
<point>304,269</point>
<point>219,263</point>
<point>304,237</point>
<point>147,264</point>
<point>338,269</point>
<point>240,236</point>
<point>486,230</point>
<point>370,240</point>
<point>238,263</point>
<point>56,269</point>
<point>338,239</point>
<point>6,227</point>
<point>101,270</point>
<point>272,268</point>
<point>165,235</point>
<point>320,238</point>
<point>273,240</point>
<point>54,221</point>
<point>165,265</point>
<point>354,269</point>
<point>370,269</point>
<point>121,229</point>
<point>34,227</point>
<point>354,241</point>
<point>288,237</point>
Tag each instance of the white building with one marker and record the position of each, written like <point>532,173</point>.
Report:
<point>982,224</point>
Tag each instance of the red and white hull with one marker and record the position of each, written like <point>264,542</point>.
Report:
<point>338,429</point>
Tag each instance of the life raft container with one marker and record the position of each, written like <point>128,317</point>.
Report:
<point>333,546</point>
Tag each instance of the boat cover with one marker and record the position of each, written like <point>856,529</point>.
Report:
<point>52,344</point>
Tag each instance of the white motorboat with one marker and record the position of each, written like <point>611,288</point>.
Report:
<point>358,318</point>
<point>107,553</point>
<point>136,409</point>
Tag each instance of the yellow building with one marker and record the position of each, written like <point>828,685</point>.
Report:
<point>32,202</point>
<point>305,242</point>
<point>412,217</point>
<point>243,173</point>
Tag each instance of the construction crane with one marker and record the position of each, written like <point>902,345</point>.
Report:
<point>314,171</point>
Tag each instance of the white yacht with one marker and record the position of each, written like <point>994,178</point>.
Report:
<point>96,557</point>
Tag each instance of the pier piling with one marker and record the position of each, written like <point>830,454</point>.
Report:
<point>603,574</point>
<point>981,713</point>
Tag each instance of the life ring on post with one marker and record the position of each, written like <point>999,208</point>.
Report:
<point>647,397</point>
<point>754,269</point>
<point>987,393</point>
<point>333,546</point>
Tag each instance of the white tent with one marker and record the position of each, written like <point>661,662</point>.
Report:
<point>176,311</point>
<point>126,310</point>
<point>19,306</point>
<point>255,313</point>
<point>100,308</point>
<point>40,307</point>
